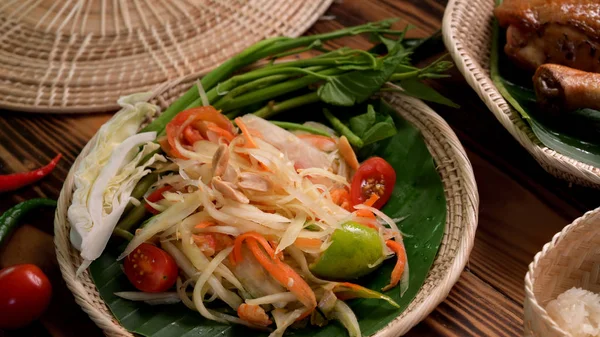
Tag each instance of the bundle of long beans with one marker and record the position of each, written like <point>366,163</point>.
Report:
<point>341,77</point>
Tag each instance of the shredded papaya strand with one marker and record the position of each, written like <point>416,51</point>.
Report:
<point>284,274</point>
<point>237,245</point>
<point>247,136</point>
<point>204,224</point>
<point>308,242</point>
<point>397,248</point>
<point>273,244</point>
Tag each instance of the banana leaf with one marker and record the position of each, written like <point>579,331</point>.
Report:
<point>576,134</point>
<point>418,196</point>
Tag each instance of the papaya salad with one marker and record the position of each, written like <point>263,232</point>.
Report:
<point>245,220</point>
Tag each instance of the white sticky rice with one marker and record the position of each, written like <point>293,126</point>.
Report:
<point>577,311</point>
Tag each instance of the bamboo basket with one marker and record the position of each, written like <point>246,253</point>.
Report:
<point>467,31</point>
<point>462,212</point>
<point>81,56</point>
<point>571,259</point>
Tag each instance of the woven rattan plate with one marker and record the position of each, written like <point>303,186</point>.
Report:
<point>467,29</point>
<point>79,56</point>
<point>462,205</point>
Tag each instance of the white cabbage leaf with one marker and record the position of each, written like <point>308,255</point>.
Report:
<point>105,178</point>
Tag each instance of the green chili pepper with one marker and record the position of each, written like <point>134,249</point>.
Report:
<point>10,220</point>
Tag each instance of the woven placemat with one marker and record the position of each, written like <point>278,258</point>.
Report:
<point>80,56</point>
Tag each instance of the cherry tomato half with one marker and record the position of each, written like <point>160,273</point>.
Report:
<point>150,269</point>
<point>200,121</point>
<point>375,175</point>
<point>156,196</point>
<point>25,293</point>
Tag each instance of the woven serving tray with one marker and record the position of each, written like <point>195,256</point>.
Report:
<point>467,30</point>
<point>571,259</point>
<point>81,56</point>
<point>461,221</point>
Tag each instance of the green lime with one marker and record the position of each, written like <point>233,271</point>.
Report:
<point>355,250</point>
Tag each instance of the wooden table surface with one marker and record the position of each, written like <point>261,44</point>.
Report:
<point>522,206</point>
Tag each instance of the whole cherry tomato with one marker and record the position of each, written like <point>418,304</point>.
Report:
<point>374,176</point>
<point>25,293</point>
<point>150,269</point>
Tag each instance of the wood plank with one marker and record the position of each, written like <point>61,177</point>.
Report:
<point>472,308</point>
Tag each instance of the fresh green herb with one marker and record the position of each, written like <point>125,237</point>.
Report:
<point>260,50</point>
<point>372,127</point>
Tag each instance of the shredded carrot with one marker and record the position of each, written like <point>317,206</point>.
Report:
<point>284,274</point>
<point>237,245</point>
<point>220,131</point>
<point>249,140</point>
<point>372,200</point>
<point>308,243</point>
<point>204,224</point>
<point>398,248</point>
<point>365,213</point>
<point>281,272</point>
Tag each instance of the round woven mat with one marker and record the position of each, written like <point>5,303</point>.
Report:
<point>79,56</point>
<point>467,30</point>
<point>462,204</point>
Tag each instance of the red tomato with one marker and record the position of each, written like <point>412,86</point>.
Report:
<point>150,269</point>
<point>25,293</point>
<point>199,120</point>
<point>156,196</point>
<point>375,175</point>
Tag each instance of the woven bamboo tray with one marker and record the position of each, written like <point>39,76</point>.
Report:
<point>81,56</point>
<point>467,30</point>
<point>461,223</point>
<point>571,259</point>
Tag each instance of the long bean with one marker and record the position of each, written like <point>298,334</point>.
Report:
<point>342,129</point>
<point>300,127</point>
<point>273,91</point>
<point>273,109</point>
<point>254,53</point>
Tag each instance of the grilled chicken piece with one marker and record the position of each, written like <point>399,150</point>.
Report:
<point>564,32</point>
<point>563,89</point>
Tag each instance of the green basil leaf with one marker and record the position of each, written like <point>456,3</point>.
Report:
<point>356,87</point>
<point>361,123</point>
<point>380,131</point>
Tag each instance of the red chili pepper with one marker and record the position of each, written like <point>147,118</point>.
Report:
<point>11,182</point>
<point>156,196</point>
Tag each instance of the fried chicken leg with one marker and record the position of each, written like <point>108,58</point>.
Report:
<point>562,89</point>
<point>564,32</point>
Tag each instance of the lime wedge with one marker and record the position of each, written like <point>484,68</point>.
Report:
<point>355,250</point>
